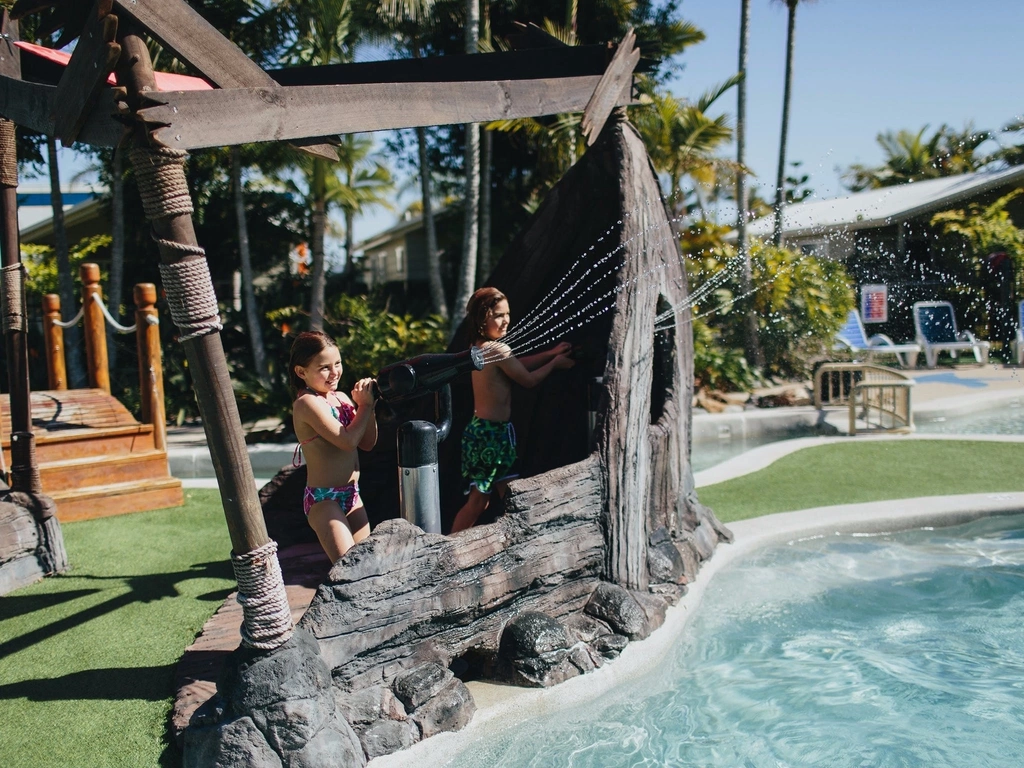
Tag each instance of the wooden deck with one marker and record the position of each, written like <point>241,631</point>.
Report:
<point>94,458</point>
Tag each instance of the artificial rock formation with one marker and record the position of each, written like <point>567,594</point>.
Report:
<point>603,531</point>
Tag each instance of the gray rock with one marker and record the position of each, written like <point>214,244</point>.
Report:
<point>581,658</point>
<point>532,634</point>
<point>581,627</point>
<point>610,646</point>
<point>228,745</point>
<point>670,592</point>
<point>333,747</point>
<point>369,705</point>
<point>665,564</point>
<point>615,605</point>
<point>451,709</point>
<point>386,736</point>
<point>420,684</point>
<point>705,539</point>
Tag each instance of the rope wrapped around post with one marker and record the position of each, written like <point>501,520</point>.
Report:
<point>267,619</point>
<point>190,296</point>
<point>8,154</point>
<point>12,290</point>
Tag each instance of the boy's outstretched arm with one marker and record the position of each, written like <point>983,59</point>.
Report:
<point>535,361</point>
<point>521,375</point>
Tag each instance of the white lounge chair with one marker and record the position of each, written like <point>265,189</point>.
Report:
<point>852,337</point>
<point>935,326</point>
<point>1018,342</point>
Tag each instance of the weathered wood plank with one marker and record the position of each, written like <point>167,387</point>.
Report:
<point>93,59</point>
<point>243,115</point>
<point>10,56</point>
<point>31,105</point>
<point>180,28</point>
<point>617,76</point>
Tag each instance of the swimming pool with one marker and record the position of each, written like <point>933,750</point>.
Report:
<point>898,649</point>
<point>1008,420</point>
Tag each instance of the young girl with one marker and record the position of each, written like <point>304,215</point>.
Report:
<point>330,427</point>
<point>488,443</point>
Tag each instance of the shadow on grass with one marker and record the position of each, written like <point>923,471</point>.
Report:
<point>148,588</point>
<point>111,684</point>
<point>20,605</point>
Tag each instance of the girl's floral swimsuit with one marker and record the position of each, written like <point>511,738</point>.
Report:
<point>347,496</point>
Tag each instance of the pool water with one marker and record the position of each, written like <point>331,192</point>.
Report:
<point>709,453</point>
<point>1005,421</point>
<point>900,649</point>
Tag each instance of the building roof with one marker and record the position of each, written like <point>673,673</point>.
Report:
<point>881,207</point>
<point>35,214</point>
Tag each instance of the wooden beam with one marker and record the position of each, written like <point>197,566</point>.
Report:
<point>196,119</point>
<point>617,76</point>
<point>197,42</point>
<point>32,105</point>
<point>10,56</point>
<point>93,59</point>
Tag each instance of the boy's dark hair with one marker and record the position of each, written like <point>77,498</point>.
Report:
<point>479,305</point>
<point>306,346</point>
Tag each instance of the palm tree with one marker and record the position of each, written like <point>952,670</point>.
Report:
<point>365,183</point>
<point>780,180</point>
<point>471,192</point>
<point>913,157</point>
<point>323,37</point>
<point>754,353</point>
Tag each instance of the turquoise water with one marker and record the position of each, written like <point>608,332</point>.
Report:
<point>903,649</point>
<point>708,453</point>
<point>1005,421</point>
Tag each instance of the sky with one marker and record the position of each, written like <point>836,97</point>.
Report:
<point>860,68</point>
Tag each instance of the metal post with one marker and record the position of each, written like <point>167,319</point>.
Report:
<point>419,493</point>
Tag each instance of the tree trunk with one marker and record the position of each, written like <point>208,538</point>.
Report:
<point>350,239</point>
<point>65,280</point>
<point>116,288</point>
<point>316,247</point>
<point>753,350</point>
<point>252,318</point>
<point>780,178</point>
<point>471,193</point>
<point>437,298</point>
<point>484,255</point>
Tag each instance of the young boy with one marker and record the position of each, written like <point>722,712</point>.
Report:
<point>488,442</point>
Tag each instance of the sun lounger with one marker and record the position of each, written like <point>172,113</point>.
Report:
<point>853,338</point>
<point>935,325</point>
<point>1018,342</point>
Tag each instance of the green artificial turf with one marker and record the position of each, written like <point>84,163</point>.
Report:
<point>87,659</point>
<point>849,473</point>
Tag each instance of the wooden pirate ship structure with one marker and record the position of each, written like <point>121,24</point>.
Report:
<point>596,542</point>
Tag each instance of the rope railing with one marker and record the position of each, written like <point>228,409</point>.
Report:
<point>109,318</point>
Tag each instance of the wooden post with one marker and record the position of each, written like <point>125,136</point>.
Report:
<point>151,367</point>
<point>53,334</point>
<point>95,328</point>
<point>176,239</point>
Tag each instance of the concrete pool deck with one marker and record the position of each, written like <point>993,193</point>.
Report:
<point>500,707</point>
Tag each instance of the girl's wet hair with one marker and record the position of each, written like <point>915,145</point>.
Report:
<point>478,307</point>
<point>306,346</point>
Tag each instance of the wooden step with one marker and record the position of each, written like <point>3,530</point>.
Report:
<point>58,410</point>
<point>88,471</point>
<point>117,499</point>
<point>79,443</point>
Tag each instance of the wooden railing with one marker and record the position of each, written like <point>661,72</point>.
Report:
<point>880,397</point>
<point>94,317</point>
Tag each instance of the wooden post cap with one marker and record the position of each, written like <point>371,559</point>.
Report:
<point>145,295</point>
<point>51,302</point>
<point>90,273</point>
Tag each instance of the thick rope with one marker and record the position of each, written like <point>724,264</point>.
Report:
<point>110,319</point>
<point>160,174</point>
<point>190,296</point>
<point>8,155</point>
<point>187,283</point>
<point>12,287</point>
<point>73,321</point>
<point>267,620</point>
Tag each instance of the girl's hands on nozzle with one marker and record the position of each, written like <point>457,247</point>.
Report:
<point>564,362</point>
<point>562,348</point>
<point>362,393</point>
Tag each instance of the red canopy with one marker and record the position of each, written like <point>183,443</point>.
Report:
<point>165,81</point>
